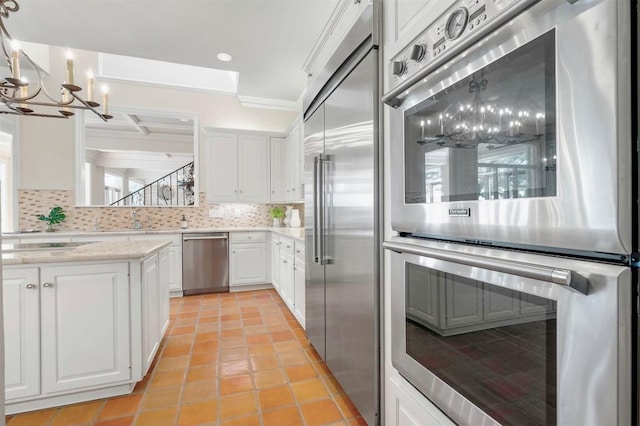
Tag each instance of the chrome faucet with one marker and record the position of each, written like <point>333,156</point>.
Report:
<point>136,223</point>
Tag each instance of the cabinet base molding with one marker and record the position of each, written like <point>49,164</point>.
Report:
<point>66,399</point>
<point>175,293</point>
<point>235,288</point>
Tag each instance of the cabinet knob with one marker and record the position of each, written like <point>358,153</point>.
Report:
<point>31,286</point>
<point>47,285</point>
<point>288,246</point>
<point>235,190</point>
<point>284,261</point>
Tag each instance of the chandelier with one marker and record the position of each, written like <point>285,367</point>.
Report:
<point>21,97</point>
<point>464,125</point>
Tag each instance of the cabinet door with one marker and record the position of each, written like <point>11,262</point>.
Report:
<point>164,276</point>
<point>275,262</point>
<point>21,304</point>
<point>289,165</point>
<point>295,164</point>
<point>150,310</point>
<point>248,264</point>
<point>277,158</point>
<point>298,292</point>
<point>423,287</point>
<point>222,167</point>
<point>464,302</point>
<point>286,279</point>
<point>85,326</point>
<point>175,268</point>
<point>499,303</point>
<point>301,161</point>
<point>253,169</point>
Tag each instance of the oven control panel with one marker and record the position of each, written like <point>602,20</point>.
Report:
<point>460,22</point>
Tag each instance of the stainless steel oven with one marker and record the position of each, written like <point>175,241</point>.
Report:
<point>502,337</point>
<point>512,126</point>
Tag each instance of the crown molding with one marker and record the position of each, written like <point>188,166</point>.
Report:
<point>269,103</point>
<point>328,29</point>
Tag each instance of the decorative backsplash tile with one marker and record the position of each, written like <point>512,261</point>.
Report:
<point>34,202</point>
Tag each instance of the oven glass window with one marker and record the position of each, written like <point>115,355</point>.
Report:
<point>494,346</point>
<point>490,136</point>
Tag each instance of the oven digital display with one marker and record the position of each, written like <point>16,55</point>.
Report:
<point>494,346</point>
<point>438,43</point>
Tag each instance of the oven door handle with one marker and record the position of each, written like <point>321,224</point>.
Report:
<point>564,277</point>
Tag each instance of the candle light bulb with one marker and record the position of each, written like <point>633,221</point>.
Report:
<point>421,123</point>
<point>69,67</point>
<point>15,59</point>
<point>90,85</point>
<point>105,99</point>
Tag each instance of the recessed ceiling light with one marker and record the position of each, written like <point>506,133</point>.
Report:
<point>225,57</point>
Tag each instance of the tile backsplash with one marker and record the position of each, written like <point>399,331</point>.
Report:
<point>33,202</point>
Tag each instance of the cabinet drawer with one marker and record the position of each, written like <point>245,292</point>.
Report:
<point>286,245</point>
<point>248,237</point>
<point>299,251</point>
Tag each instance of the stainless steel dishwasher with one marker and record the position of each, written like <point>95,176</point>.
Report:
<point>205,263</point>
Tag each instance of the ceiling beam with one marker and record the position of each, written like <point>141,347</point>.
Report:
<point>135,123</point>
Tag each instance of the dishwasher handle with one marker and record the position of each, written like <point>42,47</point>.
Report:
<point>212,237</point>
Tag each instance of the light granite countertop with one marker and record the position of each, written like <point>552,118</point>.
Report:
<point>99,251</point>
<point>295,233</point>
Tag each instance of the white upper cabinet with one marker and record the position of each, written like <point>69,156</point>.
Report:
<point>277,157</point>
<point>237,167</point>
<point>253,168</point>
<point>222,167</point>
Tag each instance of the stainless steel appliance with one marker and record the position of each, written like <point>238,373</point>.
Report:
<point>342,212</point>
<point>205,263</point>
<point>514,180</point>
<point>499,337</point>
<point>514,128</point>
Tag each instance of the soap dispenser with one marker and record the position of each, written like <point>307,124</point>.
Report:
<point>183,222</point>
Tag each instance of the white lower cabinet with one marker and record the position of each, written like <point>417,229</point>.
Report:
<point>286,279</point>
<point>85,326</point>
<point>76,332</point>
<point>155,305</point>
<point>248,258</point>
<point>405,407</point>
<point>66,328</point>
<point>275,261</point>
<point>174,259</point>
<point>21,297</point>
<point>299,292</point>
<point>287,273</point>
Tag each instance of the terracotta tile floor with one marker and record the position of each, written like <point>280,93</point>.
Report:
<point>228,359</point>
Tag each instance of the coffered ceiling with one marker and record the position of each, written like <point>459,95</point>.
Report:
<point>269,40</point>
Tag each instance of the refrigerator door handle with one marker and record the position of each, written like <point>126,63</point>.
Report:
<point>320,207</point>
<point>314,232</point>
<point>572,280</point>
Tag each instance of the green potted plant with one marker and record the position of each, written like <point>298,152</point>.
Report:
<point>277,213</point>
<point>55,216</point>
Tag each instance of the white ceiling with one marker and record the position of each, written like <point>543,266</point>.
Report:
<point>268,39</point>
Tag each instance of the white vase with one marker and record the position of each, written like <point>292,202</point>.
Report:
<point>276,222</point>
<point>287,215</point>
<point>295,218</point>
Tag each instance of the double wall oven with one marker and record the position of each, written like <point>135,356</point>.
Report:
<point>513,173</point>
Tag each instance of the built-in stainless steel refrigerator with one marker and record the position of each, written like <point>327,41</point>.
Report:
<point>342,209</point>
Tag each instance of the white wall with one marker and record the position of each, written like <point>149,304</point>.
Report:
<point>46,144</point>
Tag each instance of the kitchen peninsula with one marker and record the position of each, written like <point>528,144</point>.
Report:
<point>88,318</point>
